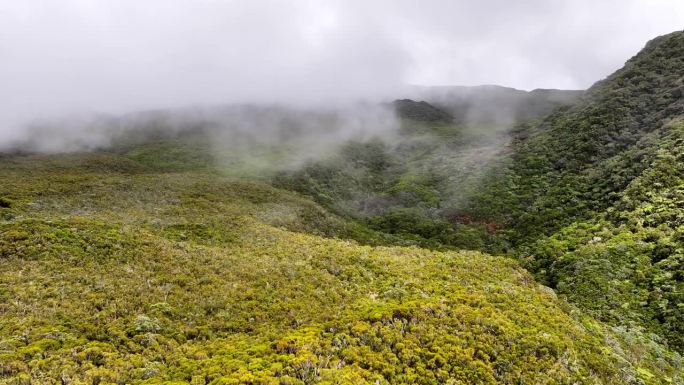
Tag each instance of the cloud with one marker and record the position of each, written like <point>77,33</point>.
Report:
<point>533,43</point>
<point>121,55</point>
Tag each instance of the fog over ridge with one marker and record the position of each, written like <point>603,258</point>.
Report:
<point>70,60</point>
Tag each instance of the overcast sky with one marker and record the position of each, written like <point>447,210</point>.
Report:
<point>117,55</point>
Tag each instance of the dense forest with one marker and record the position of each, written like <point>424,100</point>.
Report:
<point>477,235</point>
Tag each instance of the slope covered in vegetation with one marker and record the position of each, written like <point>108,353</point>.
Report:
<point>115,272</point>
<point>414,184</point>
<point>577,161</point>
<point>591,197</point>
<point>626,265</point>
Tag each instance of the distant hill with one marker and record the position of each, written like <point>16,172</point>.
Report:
<point>421,111</point>
<point>491,104</point>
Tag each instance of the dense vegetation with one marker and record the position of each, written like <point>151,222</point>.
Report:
<point>116,272</point>
<point>591,198</point>
<point>414,185</point>
<point>582,158</point>
<point>176,254</point>
<point>557,193</point>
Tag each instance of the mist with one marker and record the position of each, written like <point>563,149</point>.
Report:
<point>71,69</point>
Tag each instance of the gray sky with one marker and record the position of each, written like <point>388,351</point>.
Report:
<point>68,56</point>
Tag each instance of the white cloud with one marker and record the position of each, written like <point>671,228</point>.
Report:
<point>118,55</point>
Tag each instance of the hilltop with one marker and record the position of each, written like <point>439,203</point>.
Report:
<point>493,104</point>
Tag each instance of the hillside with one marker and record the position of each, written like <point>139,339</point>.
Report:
<point>591,198</point>
<point>593,150</point>
<point>491,104</point>
<point>117,272</point>
<point>421,111</point>
<point>588,198</point>
<point>251,244</point>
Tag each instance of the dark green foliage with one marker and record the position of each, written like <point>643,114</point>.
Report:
<point>592,195</point>
<point>589,198</point>
<point>410,221</point>
<point>577,161</point>
<point>626,265</point>
<point>421,111</point>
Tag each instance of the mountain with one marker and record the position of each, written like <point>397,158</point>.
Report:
<point>420,111</point>
<point>591,197</point>
<point>274,245</point>
<point>491,104</point>
<point>418,182</point>
<point>588,198</point>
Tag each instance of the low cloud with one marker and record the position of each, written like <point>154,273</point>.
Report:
<point>75,57</point>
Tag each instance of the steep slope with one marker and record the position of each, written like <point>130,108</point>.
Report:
<point>113,272</point>
<point>603,180</point>
<point>578,160</point>
<point>626,265</point>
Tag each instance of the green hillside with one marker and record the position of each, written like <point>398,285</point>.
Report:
<point>588,198</point>
<point>583,157</point>
<point>591,197</point>
<point>116,273</point>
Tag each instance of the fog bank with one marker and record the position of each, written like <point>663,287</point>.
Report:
<point>75,57</point>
